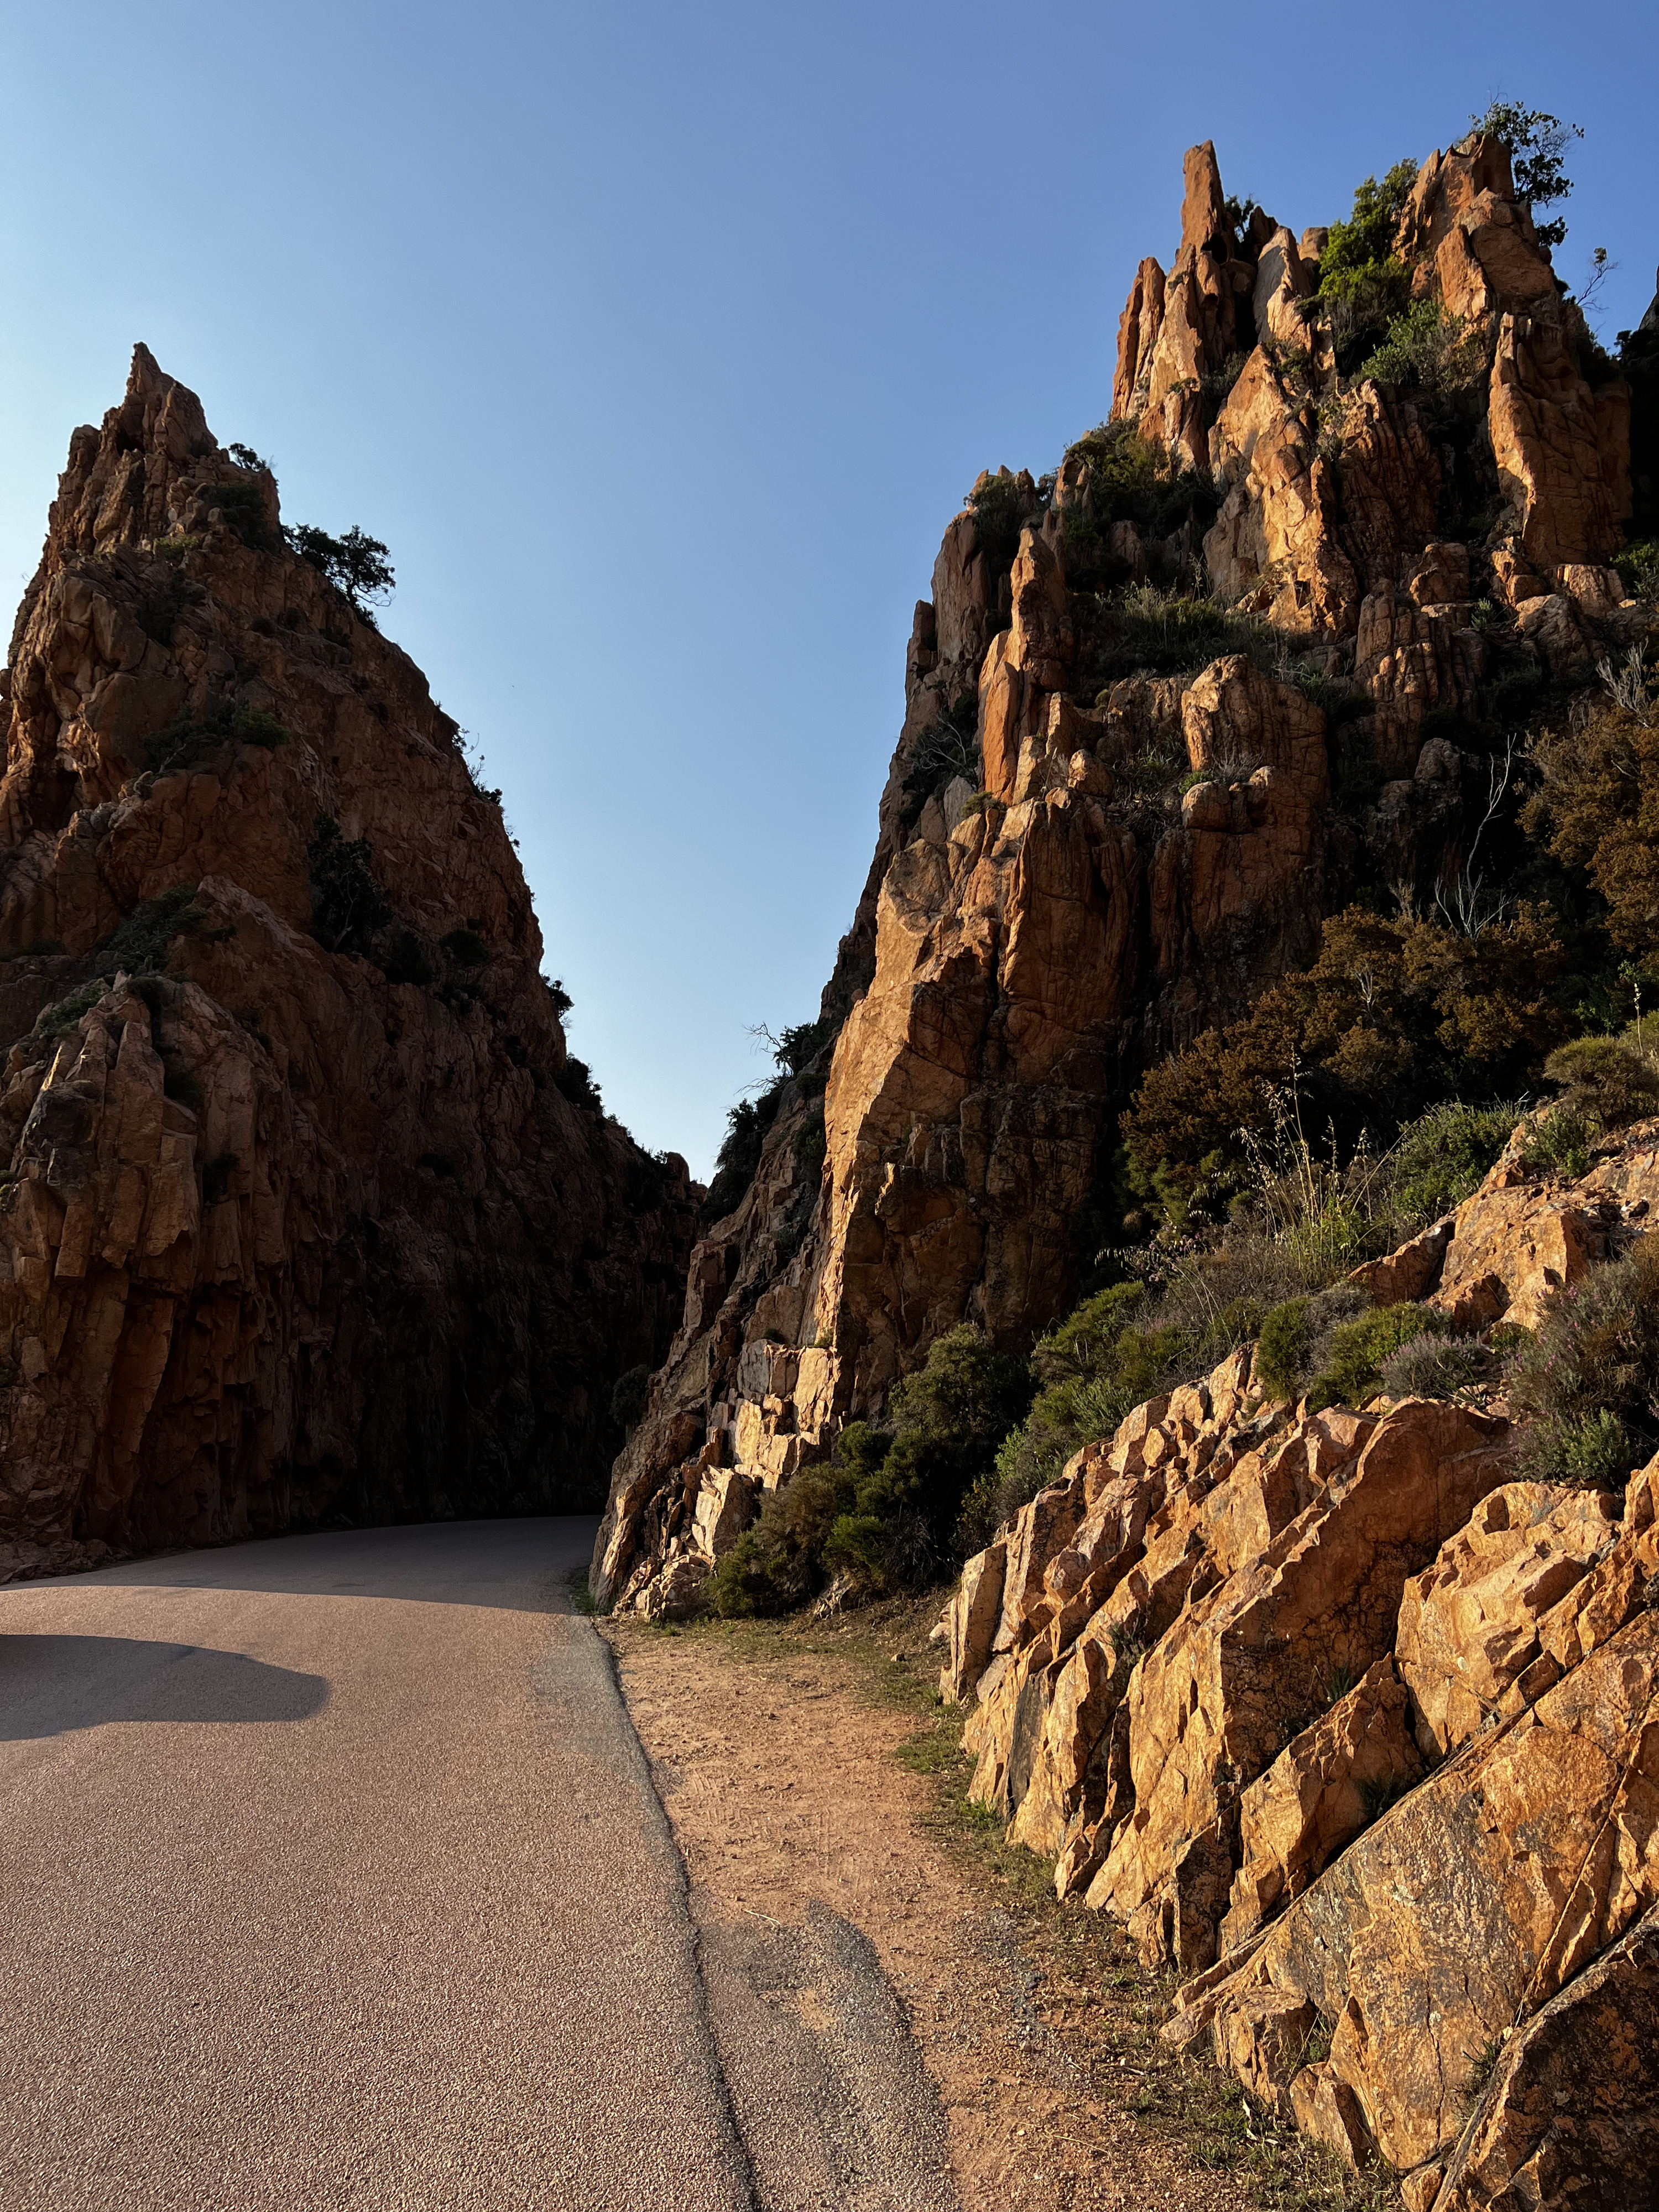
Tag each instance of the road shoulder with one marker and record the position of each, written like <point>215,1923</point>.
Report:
<point>809,1778</point>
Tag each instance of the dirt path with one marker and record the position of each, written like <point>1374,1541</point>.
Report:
<point>785,1792</point>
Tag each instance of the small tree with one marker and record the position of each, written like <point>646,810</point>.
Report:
<point>347,903</point>
<point>1536,142</point>
<point>356,564</point>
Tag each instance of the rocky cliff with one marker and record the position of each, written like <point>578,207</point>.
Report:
<point>308,1217</point>
<point>1356,1724</point>
<point>1165,709</point>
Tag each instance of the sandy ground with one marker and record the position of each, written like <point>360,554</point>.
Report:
<point>782,1786</point>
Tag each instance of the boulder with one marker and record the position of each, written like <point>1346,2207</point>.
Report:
<point>1570,2115</point>
<point>1326,1786</point>
<point>1472,1903</point>
<point>1468,1624</point>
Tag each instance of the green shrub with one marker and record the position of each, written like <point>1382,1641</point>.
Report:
<point>1595,1452</point>
<point>948,1418</point>
<point>1360,247</point>
<point>777,1564</point>
<point>1427,349</point>
<point>1430,1365</point>
<point>242,503</point>
<point>1363,288</point>
<point>138,946</point>
<point>1392,1015</point>
<point>1104,1358</point>
<point>465,948</point>
<point>738,1156</point>
<point>999,511</point>
<point>1444,1154</point>
<point>1170,634</point>
<point>347,903</point>
<point>141,944</point>
<point>1604,1081</point>
<point>1132,479</point>
<point>1593,1365</point>
<point>1332,1238</point>
<point>1638,566</point>
<point>1559,1143</point>
<point>1217,383</point>
<point>1282,1350</point>
<point>1596,801</point>
<point>163,601</point>
<point>574,1080</point>
<point>191,738</point>
<point>1350,1371</point>
<point>57,1020</point>
<point>356,564</point>
<point>799,1045</point>
<point>1536,142</point>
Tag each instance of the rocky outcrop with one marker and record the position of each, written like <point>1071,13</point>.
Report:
<point>1356,1729</point>
<point>307,1216</point>
<point>1331,490</point>
<point>1469,1625</point>
<point>1572,2113</point>
<point>1524,1234</point>
<point>1074,876</point>
<point>1255,1563</point>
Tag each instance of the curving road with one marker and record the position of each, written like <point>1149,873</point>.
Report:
<point>333,1876</point>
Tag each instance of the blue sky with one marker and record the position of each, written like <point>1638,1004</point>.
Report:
<point>661,343</point>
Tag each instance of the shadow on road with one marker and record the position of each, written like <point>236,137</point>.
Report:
<point>51,1684</point>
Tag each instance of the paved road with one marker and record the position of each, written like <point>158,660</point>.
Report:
<point>332,1876</point>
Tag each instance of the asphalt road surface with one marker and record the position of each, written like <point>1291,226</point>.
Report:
<point>333,1876</point>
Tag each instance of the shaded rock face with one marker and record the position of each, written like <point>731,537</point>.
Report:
<point>288,1234</point>
<point>1358,1731</point>
<point>1022,951</point>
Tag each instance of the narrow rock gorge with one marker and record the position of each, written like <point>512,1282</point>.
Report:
<point>308,1217</point>
<point>1251,755</point>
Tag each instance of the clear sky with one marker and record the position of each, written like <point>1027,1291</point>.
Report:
<point>660,344</point>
